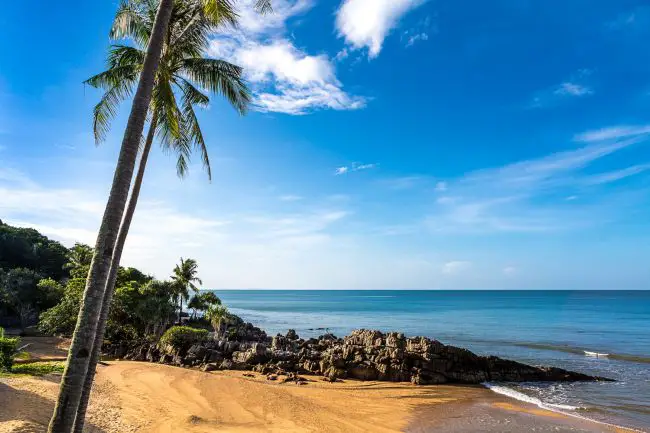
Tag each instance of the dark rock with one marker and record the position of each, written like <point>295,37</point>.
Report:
<point>363,355</point>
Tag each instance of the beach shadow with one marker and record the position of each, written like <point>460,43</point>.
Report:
<point>25,411</point>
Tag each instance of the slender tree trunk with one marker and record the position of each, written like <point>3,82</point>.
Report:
<point>112,277</point>
<point>84,336</point>
<point>180,308</point>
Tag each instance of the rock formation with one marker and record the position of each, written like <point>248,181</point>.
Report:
<point>363,355</point>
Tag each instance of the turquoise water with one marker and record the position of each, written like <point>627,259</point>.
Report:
<point>556,328</point>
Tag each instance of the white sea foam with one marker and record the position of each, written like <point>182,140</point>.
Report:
<point>596,354</point>
<point>560,408</point>
<point>509,392</point>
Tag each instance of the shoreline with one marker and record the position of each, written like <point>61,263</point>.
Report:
<point>133,396</point>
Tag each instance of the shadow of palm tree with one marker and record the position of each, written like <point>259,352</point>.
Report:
<point>24,411</point>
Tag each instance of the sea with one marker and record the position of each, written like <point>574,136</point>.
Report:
<point>604,333</point>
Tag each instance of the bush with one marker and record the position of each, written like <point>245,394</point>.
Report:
<point>182,337</point>
<point>8,348</point>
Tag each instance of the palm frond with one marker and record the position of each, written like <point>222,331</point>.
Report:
<point>132,21</point>
<point>220,12</point>
<point>263,6</point>
<point>219,76</point>
<point>123,55</point>
<point>114,77</point>
<point>191,97</point>
<point>106,108</point>
<point>165,106</point>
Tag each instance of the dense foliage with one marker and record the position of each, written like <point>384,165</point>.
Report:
<point>8,348</point>
<point>27,248</point>
<point>182,337</point>
<point>26,258</point>
<point>142,307</point>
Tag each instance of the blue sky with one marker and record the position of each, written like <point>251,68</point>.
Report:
<point>393,144</point>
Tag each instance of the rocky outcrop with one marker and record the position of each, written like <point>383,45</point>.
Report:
<point>363,355</point>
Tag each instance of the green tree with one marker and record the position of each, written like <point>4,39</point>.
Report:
<point>20,291</point>
<point>184,279</point>
<point>61,319</point>
<point>155,309</point>
<point>79,258</point>
<point>202,301</point>
<point>217,314</point>
<point>27,248</point>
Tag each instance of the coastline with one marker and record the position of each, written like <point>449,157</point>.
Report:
<point>144,397</point>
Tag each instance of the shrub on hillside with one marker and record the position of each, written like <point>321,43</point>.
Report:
<point>8,348</point>
<point>182,337</point>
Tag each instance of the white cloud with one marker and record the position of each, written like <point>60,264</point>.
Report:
<point>341,170</point>
<point>613,133</point>
<point>616,175</point>
<point>267,248</point>
<point>577,86</point>
<point>573,89</point>
<point>455,267</point>
<point>417,37</point>
<point>290,197</point>
<point>527,196</point>
<point>441,187</point>
<point>509,271</point>
<point>366,23</point>
<point>284,78</point>
<point>353,167</point>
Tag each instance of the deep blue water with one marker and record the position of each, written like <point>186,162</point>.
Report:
<point>539,327</point>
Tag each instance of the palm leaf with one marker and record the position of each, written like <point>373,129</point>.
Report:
<point>192,96</point>
<point>219,76</point>
<point>132,21</point>
<point>106,108</point>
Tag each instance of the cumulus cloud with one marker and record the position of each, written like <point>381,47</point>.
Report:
<point>284,78</point>
<point>366,23</point>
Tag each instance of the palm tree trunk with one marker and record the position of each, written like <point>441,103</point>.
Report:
<point>180,307</point>
<point>112,277</point>
<point>83,338</point>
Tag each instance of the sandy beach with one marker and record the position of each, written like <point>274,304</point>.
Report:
<point>144,397</point>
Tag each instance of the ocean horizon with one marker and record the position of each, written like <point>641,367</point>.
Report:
<point>599,332</point>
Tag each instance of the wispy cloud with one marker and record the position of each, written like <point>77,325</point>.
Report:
<point>577,86</point>
<point>419,32</point>
<point>366,23</point>
<point>535,195</point>
<point>285,78</point>
<point>353,167</point>
<point>509,271</point>
<point>613,133</point>
<point>290,197</point>
<point>455,267</point>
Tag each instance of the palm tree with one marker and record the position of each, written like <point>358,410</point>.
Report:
<point>181,69</point>
<point>80,256</point>
<point>184,277</point>
<point>217,315</point>
<point>76,370</point>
